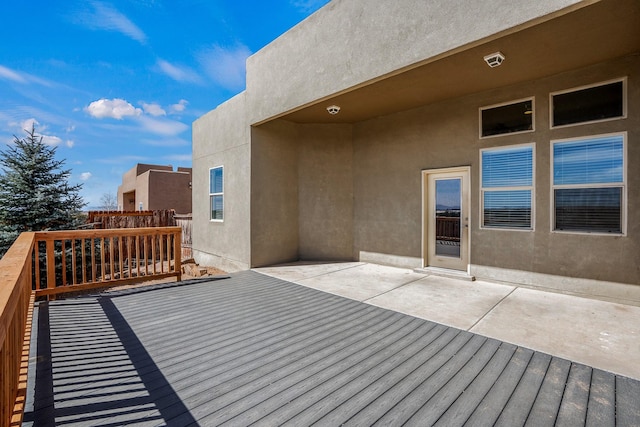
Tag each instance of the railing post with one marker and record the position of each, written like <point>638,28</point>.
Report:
<point>51,264</point>
<point>177,249</point>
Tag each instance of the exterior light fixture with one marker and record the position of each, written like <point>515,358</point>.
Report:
<point>494,59</point>
<point>333,109</point>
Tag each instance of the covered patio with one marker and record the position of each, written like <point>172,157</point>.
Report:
<point>254,348</point>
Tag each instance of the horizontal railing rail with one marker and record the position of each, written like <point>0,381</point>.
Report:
<point>69,261</point>
<point>16,304</point>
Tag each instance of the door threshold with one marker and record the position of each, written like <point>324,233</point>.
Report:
<point>445,272</point>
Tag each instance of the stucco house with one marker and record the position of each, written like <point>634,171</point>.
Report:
<point>154,187</point>
<point>497,139</point>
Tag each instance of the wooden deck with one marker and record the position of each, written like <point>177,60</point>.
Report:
<point>255,349</point>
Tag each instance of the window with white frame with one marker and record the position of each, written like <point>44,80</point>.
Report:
<point>509,118</point>
<point>507,187</point>
<point>589,184</point>
<point>599,102</point>
<point>216,193</point>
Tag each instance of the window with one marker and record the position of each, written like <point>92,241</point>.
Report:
<point>589,184</point>
<point>604,101</point>
<point>507,187</point>
<point>506,118</point>
<point>216,193</point>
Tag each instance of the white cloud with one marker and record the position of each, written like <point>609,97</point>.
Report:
<point>164,127</point>
<point>22,78</point>
<point>85,176</point>
<point>70,143</point>
<point>153,109</point>
<point>9,74</point>
<point>226,66</point>
<point>177,73</point>
<point>115,108</point>
<point>51,140</point>
<point>179,107</point>
<point>106,17</point>
<point>28,124</point>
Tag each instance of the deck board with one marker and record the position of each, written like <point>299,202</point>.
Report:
<point>460,410</point>
<point>252,349</point>
<point>601,407</point>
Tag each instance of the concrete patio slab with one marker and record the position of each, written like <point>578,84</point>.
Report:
<point>601,334</point>
<point>305,270</point>
<point>452,302</point>
<point>361,282</point>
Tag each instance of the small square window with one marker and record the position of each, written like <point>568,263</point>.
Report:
<point>508,118</point>
<point>600,102</point>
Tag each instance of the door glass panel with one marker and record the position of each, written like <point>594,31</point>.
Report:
<point>448,196</point>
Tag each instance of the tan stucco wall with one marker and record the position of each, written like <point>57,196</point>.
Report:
<point>168,190</point>
<point>274,194</point>
<point>294,169</point>
<point>221,138</point>
<point>277,172</point>
<point>325,192</point>
<point>390,152</point>
<point>301,193</point>
<point>132,184</point>
<point>349,42</point>
<point>328,185</point>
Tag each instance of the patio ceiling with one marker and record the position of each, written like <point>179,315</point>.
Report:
<point>589,35</point>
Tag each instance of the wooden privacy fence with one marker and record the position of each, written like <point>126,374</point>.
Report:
<point>132,219</point>
<point>16,309</point>
<point>185,223</point>
<point>66,261</point>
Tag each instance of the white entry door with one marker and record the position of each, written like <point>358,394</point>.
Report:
<point>446,218</point>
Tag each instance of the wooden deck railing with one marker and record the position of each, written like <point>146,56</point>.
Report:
<point>448,228</point>
<point>56,262</point>
<point>67,261</point>
<point>16,304</point>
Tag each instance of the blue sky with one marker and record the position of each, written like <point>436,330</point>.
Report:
<point>115,83</point>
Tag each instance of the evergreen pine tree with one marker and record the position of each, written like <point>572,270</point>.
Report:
<point>34,191</point>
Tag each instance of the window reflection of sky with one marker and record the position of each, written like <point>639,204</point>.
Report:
<point>591,161</point>
<point>511,167</point>
<point>448,193</point>
<point>215,180</point>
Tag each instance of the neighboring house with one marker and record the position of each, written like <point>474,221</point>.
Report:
<point>154,187</point>
<point>521,119</point>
